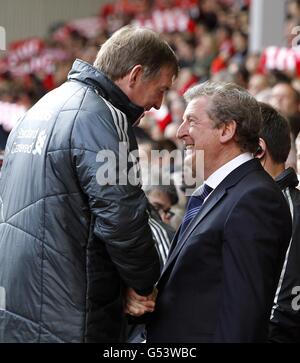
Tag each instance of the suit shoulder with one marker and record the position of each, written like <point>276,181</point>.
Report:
<point>259,181</point>
<point>258,191</point>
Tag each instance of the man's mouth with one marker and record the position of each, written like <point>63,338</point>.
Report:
<point>189,146</point>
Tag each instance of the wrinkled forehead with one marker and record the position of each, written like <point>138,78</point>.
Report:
<point>197,106</point>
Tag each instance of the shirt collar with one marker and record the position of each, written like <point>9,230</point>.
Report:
<point>220,174</point>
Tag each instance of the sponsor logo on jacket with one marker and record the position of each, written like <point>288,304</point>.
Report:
<point>35,147</point>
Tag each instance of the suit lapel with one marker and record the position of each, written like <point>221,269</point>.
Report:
<point>174,241</point>
<point>212,200</point>
<point>234,177</point>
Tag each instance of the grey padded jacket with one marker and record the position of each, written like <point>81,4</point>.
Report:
<point>69,245</point>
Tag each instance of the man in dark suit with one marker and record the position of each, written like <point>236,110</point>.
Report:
<point>222,271</point>
<point>275,144</point>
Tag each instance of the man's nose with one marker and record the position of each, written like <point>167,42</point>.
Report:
<point>182,130</point>
<point>158,102</point>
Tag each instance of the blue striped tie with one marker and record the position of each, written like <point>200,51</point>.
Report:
<point>194,206</point>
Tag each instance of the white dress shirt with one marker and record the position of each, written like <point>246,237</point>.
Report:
<point>220,174</point>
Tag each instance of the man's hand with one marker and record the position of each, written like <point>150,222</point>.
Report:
<point>137,305</point>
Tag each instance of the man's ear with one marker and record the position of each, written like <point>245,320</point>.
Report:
<point>261,150</point>
<point>227,131</point>
<point>135,74</point>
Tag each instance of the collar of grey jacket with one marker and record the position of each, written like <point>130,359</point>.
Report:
<point>86,73</point>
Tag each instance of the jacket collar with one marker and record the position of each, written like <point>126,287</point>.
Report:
<point>288,178</point>
<point>84,72</point>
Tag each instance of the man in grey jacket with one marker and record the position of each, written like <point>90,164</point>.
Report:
<point>74,231</point>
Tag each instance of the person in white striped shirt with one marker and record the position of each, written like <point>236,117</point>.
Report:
<point>161,199</point>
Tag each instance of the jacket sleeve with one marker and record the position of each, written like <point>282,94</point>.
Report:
<point>256,236</point>
<point>119,208</point>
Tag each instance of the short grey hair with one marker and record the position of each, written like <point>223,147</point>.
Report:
<point>130,46</point>
<point>227,102</point>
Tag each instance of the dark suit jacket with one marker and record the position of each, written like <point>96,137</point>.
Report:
<point>220,279</point>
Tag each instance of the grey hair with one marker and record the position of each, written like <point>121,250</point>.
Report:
<point>130,46</point>
<point>227,102</point>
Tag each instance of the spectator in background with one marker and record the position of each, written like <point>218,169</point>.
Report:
<point>226,49</point>
<point>293,9</point>
<point>274,149</point>
<point>154,170</point>
<point>208,14</point>
<point>162,198</point>
<point>205,52</point>
<point>239,73</point>
<point>287,101</point>
<point>185,49</point>
<point>72,240</point>
<point>240,44</point>
<point>252,63</point>
<point>258,83</point>
<point>145,145</point>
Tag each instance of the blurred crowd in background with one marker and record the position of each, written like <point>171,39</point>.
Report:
<point>210,38</point>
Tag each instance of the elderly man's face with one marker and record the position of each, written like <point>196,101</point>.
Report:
<point>199,133</point>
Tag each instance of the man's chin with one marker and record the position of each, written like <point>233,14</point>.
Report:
<point>137,122</point>
<point>194,166</point>
<point>189,171</point>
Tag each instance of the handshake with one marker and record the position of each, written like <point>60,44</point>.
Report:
<point>137,305</point>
